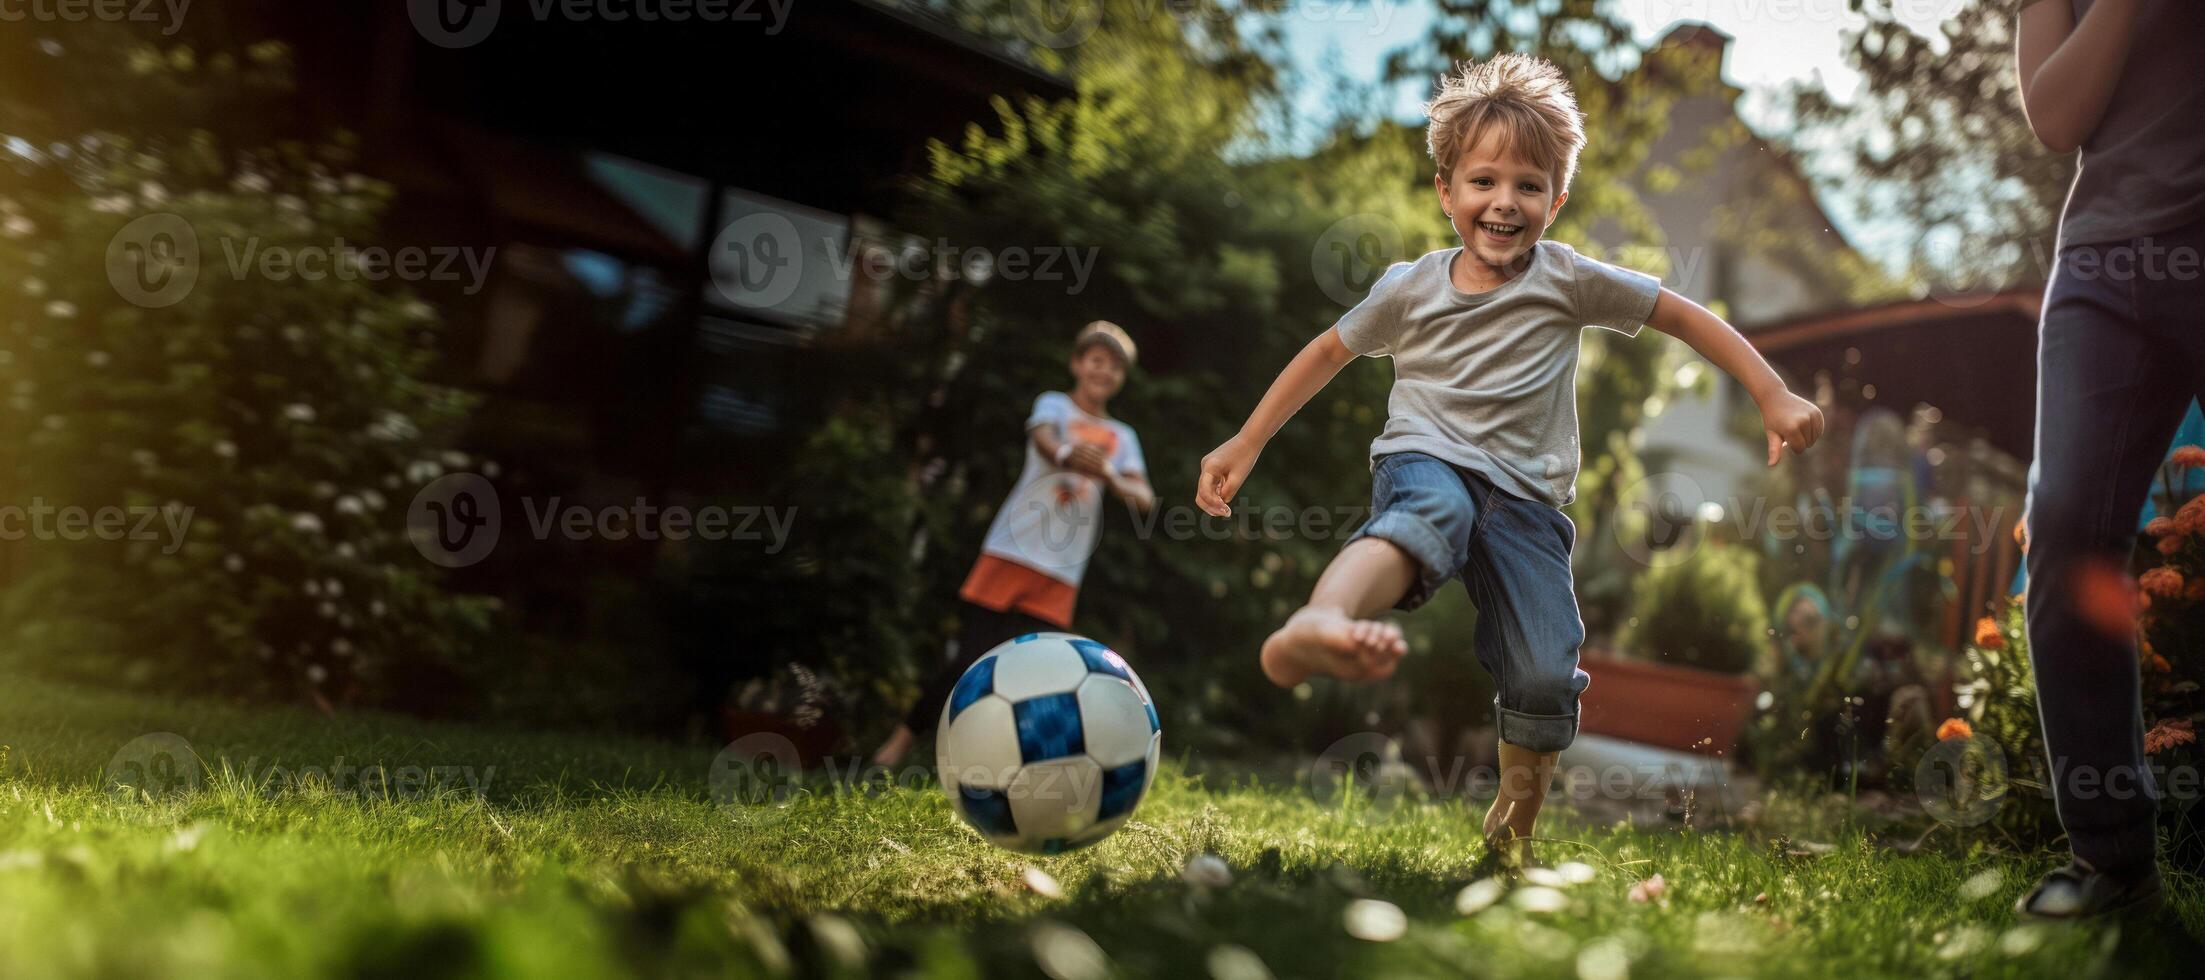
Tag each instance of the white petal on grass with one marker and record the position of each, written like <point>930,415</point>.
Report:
<point>763,942</point>
<point>1478,895</point>
<point>1237,963</point>
<point>1576,872</point>
<point>1065,953</point>
<point>1374,921</point>
<point>1983,885</point>
<point>1539,898</point>
<point>1545,877</point>
<point>840,940</point>
<point>2021,940</point>
<point>1043,883</point>
<point>1604,959</point>
<point>1966,941</point>
<point>1207,871</point>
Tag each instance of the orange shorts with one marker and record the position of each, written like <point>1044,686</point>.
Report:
<point>1004,585</point>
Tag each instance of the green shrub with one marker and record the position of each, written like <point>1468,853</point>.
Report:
<point>1705,612</point>
<point>282,422</point>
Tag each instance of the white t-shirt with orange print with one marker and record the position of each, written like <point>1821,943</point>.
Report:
<point>1052,520</point>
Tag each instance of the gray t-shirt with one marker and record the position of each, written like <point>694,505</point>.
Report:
<point>2143,168</point>
<point>1488,381</point>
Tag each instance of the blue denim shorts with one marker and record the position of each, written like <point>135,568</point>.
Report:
<point>1514,555</point>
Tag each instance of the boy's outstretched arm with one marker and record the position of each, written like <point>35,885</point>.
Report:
<point>1790,420</point>
<point>1227,466</point>
<point>2069,70</point>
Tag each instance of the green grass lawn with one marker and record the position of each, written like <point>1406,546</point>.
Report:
<point>598,856</point>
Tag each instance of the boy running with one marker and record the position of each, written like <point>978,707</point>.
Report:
<point>1480,452</point>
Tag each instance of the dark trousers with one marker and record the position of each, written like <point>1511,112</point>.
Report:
<point>2120,356</point>
<point>984,629</point>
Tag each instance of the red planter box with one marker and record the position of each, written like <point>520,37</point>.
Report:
<point>1659,704</point>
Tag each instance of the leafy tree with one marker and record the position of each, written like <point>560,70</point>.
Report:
<point>1936,135</point>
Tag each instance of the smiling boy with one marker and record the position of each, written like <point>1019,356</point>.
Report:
<point>1479,453</point>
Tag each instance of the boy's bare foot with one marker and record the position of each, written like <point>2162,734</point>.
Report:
<point>1328,642</point>
<point>891,752</point>
<point>1496,820</point>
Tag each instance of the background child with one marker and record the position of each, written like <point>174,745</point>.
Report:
<point>1028,576</point>
<point>1479,452</point>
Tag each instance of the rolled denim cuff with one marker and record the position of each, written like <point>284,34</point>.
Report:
<point>1423,542</point>
<point>1539,733</point>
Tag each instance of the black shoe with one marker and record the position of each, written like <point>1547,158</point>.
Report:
<point>2080,891</point>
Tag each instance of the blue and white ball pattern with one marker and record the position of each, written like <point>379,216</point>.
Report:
<point>1048,743</point>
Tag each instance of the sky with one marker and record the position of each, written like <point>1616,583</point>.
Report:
<point>1777,43</point>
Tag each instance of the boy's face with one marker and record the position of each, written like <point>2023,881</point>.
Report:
<point>1500,203</point>
<point>1099,372</point>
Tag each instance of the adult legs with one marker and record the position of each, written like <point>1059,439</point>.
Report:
<point>2112,387</point>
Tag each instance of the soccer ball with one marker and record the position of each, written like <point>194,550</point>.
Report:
<point>1047,743</point>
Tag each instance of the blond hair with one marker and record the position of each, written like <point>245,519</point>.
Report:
<point>1525,99</point>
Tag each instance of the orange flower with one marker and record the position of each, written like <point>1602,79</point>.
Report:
<point>1954,728</point>
<point>2153,662</point>
<point>2167,735</point>
<point>2190,518</point>
<point>2160,526</point>
<point>2166,583</point>
<point>2187,457</point>
<point>1987,634</point>
<point>2169,545</point>
<point>2021,533</point>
